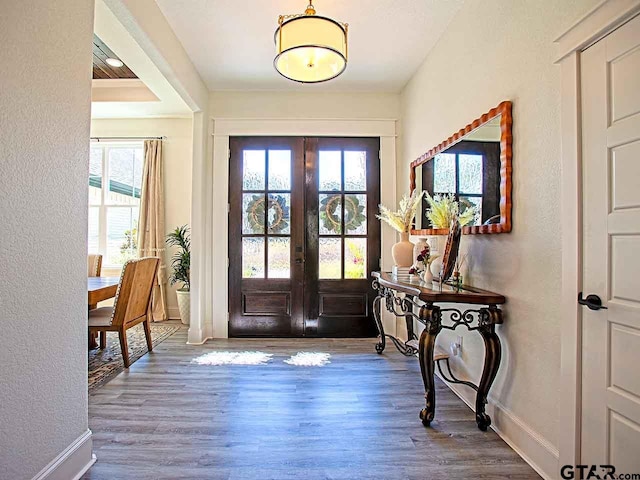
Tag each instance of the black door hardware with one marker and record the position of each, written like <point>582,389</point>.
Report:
<point>592,301</point>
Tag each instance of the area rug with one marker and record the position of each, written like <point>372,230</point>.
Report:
<point>233,358</point>
<point>106,364</point>
<point>309,359</point>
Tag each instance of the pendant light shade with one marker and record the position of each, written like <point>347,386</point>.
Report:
<point>310,48</point>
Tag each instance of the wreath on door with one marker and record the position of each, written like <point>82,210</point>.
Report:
<point>278,213</point>
<point>353,212</point>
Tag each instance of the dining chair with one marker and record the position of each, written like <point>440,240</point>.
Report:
<point>94,268</point>
<point>94,265</point>
<point>131,305</point>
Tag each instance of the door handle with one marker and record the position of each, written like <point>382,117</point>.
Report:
<point>592,301</point>
<point>299,260</point>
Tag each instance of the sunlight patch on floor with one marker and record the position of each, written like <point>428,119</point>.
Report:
<point>309,359</point>
<point>233,358</point>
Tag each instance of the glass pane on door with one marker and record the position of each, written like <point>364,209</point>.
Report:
<point>342,215</point>
<point>330,253</point>
<point>266,213</point>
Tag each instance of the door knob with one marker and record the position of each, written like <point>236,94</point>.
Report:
<point>592,301</point>
<point>299,260</point>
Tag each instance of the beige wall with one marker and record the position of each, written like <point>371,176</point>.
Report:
<point>282,105</point>
<point>44,120</point>
<point>177,169</point>
<point>498,50</point>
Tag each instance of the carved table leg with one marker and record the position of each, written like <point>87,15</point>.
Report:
<point>493,353</point>
<point>378,319</point>
<point>408,306</point>
<point>432,318</point>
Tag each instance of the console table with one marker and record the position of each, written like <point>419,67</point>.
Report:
<point>483,320</point>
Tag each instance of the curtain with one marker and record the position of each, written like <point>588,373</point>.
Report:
<point>151,233</point>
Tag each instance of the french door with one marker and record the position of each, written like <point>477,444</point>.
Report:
<point>303,238</point>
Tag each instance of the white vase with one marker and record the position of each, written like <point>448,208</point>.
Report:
<point>426,276</point>
<point>184,305</point>
<point>435,266</point>
<point>402,252</point>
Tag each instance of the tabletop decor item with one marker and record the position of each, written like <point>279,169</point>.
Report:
<point>458,281</point>
<point>181,266</point>
<point>422,265</point>
<point>401,221</point>
<point>450,251</point>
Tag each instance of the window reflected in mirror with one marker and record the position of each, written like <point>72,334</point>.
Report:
<point>469,171</point>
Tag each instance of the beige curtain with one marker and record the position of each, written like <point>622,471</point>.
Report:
<point>151,233</point>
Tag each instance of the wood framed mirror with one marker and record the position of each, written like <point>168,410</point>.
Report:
<point>474,165</point>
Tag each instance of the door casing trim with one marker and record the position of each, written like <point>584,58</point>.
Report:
<point>595,25</point>
<point>217,219</point>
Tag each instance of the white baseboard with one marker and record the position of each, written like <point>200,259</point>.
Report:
<point>72,463</point>
<point>534,449</point>
<point>173,313</point>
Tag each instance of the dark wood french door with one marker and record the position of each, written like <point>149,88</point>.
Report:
<point>303,238</point>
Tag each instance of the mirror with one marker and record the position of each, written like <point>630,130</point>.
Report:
<point>474,167</point>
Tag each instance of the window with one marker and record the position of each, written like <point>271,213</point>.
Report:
<point>460,174</point>
<point>115,182</point>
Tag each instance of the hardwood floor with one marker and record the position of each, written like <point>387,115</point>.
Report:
<point>356,418</point>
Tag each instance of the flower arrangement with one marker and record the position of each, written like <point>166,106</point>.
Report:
<point>423,261</point>
<point>402,220</point>
<point>443,209</point>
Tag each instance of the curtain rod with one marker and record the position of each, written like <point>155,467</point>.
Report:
<point>127,138</point>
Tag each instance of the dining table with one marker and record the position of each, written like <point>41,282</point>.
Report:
<point>98,290</point>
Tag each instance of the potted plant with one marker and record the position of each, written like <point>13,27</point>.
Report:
<point>181,265</point>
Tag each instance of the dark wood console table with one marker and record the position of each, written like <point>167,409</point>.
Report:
<point>483,320</point>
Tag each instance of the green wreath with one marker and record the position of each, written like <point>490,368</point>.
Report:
<point>255,214</point>
<point>353,212</point>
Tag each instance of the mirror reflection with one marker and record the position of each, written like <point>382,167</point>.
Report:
<point>468,172</point>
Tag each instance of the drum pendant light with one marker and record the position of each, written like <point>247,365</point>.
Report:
<point>310,48</point>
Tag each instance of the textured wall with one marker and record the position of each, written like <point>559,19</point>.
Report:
<point>498,50</point>
<point>44,147</point>
<point>303,105</point>
<point>177,169</point>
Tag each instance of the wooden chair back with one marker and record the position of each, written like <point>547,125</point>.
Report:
<point>134,290</point>
<point>94,265</point>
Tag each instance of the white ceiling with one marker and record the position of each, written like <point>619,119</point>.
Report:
<point>231,41</point>
<point>126,99</point>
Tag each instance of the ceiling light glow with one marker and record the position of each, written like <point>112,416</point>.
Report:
<point>114,62</point>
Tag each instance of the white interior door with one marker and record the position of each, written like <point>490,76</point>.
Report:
<point>611,246</point>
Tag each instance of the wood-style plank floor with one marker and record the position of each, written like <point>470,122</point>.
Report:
<point>356,418</point>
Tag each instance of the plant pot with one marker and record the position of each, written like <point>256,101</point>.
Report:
<point>402,252</point>
<point>184,305</point>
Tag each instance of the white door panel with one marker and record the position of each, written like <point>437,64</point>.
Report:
<point>611,250</point>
